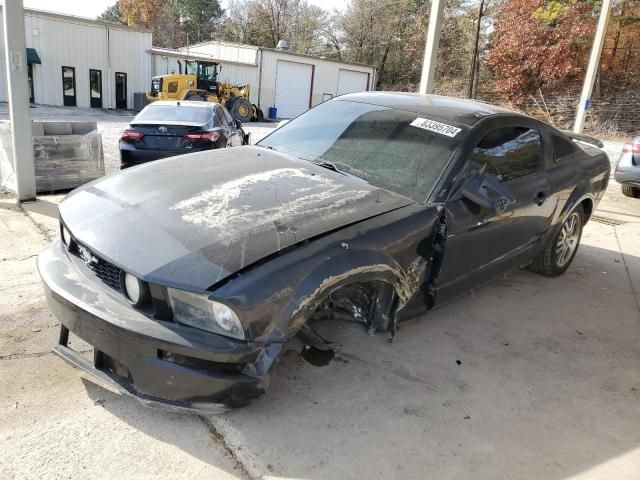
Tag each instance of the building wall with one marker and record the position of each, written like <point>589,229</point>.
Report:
<point>325,75</point>
<point>82,44</point>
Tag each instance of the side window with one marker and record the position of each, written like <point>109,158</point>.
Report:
<point>220,118</point>
<point>562,148</point>
<point>508,153</point>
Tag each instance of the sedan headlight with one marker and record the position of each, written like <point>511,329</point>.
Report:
<point>200,312</point>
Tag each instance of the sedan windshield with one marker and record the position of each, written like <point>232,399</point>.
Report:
<point>172,113</point>
<point>392,149</point>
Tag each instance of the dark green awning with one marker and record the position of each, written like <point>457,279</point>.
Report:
<point>32,56</point>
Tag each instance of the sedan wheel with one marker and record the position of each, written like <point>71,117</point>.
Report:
<point>559,252</point>
<point>630,191</point>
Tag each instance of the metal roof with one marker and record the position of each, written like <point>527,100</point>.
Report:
<point>77,19</point>
<point>192,56</point>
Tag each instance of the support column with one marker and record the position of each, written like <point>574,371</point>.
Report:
<point>431,49</point>
<point>18,90</point>
<point>594,62</point>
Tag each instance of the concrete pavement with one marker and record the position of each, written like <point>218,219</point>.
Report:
<point>56,424</point>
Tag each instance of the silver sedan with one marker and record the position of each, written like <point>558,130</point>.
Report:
<point>628,168</point>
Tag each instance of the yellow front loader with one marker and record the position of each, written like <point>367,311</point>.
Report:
<point>200,82</point>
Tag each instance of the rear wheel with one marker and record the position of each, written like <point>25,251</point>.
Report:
<point>630,191</point>
<point>559,252</point>
<point>241,109</point>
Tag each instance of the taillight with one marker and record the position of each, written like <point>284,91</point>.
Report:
<point>631,147</point>
<point>210,136</point>
<point>131,135</point>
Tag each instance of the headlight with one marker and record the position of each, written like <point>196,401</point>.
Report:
<point>200,312</point>
<point>66,236</point>
<point>134,289</point>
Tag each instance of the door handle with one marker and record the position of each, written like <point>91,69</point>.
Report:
<point>540,198</point>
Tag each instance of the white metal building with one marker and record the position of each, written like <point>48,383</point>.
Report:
<point>74,61</point>
<point>291,82</point>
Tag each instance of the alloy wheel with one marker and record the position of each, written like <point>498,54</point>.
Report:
<point>568,239</point>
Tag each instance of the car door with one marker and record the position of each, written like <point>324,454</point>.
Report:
<point>484,241</point>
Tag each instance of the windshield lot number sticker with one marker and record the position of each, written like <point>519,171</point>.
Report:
<point>437,127</point>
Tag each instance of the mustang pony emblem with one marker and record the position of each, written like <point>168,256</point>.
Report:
<point>86,256</point>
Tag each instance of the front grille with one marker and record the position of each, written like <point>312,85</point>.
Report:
<point>108,273</point>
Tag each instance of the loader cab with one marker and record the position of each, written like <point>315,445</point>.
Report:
<point>206,74</point>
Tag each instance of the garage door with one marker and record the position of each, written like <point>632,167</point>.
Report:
<point>293,88</point>
<point>350,81</point>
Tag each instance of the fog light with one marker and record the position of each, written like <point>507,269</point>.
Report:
<point>134,289</point>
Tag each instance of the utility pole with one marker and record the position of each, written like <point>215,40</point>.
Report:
<point>594,62</point>
<point>431,49</point>
<point>18,90</point>
<point>474,59</point>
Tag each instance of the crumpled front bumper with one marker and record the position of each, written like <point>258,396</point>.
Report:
<point>136,355</point>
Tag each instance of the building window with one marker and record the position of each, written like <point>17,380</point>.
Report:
<point>95,88</point>
<point>121,90</point>
<point>69,86</point>
<point>30,80</point>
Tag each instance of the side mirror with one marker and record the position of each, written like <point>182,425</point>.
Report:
<point>487,192</point>
<point>238,124</point>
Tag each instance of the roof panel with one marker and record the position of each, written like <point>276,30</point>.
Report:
<point>463,111</point>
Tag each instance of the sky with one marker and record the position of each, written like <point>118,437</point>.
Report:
<point>93,8</point>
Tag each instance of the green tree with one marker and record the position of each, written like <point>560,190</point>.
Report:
<point>200,18</point>
<point>112,14</point>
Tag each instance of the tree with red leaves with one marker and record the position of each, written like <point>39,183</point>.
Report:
<point>541,45</point>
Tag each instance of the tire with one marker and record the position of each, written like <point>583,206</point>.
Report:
<point>558,254</point>
<point>630,191</point>
<point>241,109</point>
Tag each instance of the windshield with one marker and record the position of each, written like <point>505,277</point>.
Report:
<point>393,149</point>
<point>173,113</point>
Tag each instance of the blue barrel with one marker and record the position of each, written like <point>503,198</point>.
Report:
<point>273,113</point>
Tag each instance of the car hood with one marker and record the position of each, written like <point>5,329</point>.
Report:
<point>193,220</point>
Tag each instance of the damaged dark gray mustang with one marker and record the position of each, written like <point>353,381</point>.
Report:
<point>189,276</point>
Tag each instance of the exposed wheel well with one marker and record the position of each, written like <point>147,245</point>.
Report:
<point>587,207</point>
<point>370,302</point>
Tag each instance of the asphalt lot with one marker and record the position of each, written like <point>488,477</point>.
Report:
<point>526,377</point>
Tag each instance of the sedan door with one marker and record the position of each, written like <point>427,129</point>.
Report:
<point>483,241</point>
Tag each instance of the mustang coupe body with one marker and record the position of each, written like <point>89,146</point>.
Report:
<point>190,276</point>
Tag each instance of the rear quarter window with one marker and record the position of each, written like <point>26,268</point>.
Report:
<point>562,148</point>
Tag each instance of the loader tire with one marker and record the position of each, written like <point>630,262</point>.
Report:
<point>241,109</point>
